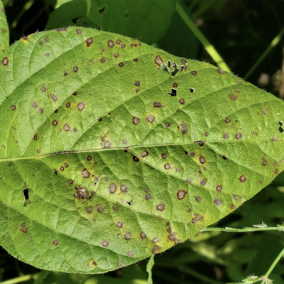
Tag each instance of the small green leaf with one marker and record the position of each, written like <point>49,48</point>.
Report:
<point>147,20</point>
<point>150,265</point>
<point>121,158</point>
<point>4,29</point>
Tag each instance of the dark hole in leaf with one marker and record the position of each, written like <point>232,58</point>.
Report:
<point>26,193</point>
<point>173,93</point>
<point>102,10</point>
<point>175,69</point>
<point>75,20</point>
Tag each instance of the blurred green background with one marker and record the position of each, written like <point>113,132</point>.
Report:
<point>240,31</point>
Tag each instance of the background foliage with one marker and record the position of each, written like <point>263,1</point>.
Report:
<point>240,30</point>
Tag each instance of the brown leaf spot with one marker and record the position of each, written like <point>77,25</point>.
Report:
<point>160,207</point>
<point>65,73</point>
<point>135,60</point>
<point>89,210</point>
<point>182,101</point>
<point>89,158</point>
<point>121,64</point>
<point>193,73</point>
<point>24,230</point>
<point>89,41</point>
<point>236,91</point>
<point>105,243</point>
<point>68,105</point>
<point>167,125</point>
<point>66,127</point>
<point>61,29</point>
<point>144,154</point>
<point>118,41</point>
<point>103,60</point>
<point>202,160</point>
<point>75,69</point>
<point>233,97</point>
<point>107,144</point>
<point>124,188</point>
<point>137,83</point>
<point>143,236</point>
<point>226,135</point>
<point>150,118</point>
<point>183,128</point>
<point>181,194</point>
<point>123,45</point>
<point>274,138</point>
<point>227,120</point>
<point>85,173</point>
<point>239,136</point>
<point>196,218</point>
<point>119,224</point>
<point>110,43</point>
<point>218,201</point>
<point>264,111</point>
<point>221,71</point>
<point>164,156</point>
<point>55,243</point>
<point>159,61</point>
<point>5,61</point>
<point>43,89</point>
<point>264,161</point>
<point>127,236</point>
<point>116,55</point>
<point>203,182</point>
<point>157,104</point>
<point>54,122</point>
<point>155,249</point>
<point>35,137</point>
<point>242,179</point>
<point>112,188</point>
<point>175,85</point>
<point>135,159</point>
<point>167,166</point>
<point>80,106</point>
<point>148,197</point>
<point>219,188</point>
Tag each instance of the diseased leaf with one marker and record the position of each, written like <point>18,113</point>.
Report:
<point>147,20</point>
<point>4,30</point>
<point>112,150</point>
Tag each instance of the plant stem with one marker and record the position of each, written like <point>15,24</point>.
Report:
<point>209,47</point>
<point>273,43</point>
<point>18,279</point>
<point>235,230</point>
<point>198,275</point>
<point>273,264</point>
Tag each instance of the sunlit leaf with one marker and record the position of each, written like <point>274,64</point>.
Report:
<point>112,151</point>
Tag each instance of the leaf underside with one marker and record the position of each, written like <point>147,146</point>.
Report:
<point>123,149</point>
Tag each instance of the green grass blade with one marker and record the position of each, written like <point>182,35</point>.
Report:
<point>209,47</point>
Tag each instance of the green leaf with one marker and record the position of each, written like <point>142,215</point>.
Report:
<point>146,20</point>
<point>4,29</point>
<point>123,150</point>
<point>150,265</point>
<point>179,39</point>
